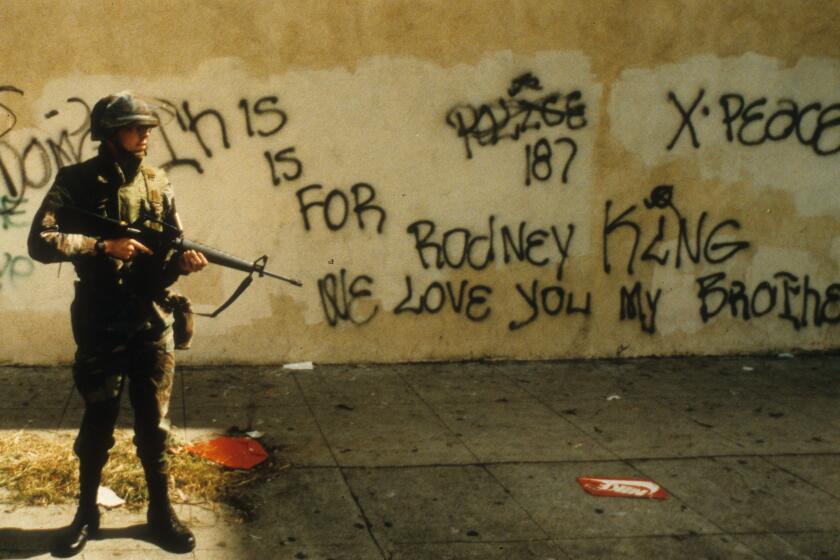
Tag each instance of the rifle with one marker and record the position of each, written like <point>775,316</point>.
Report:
<point>172,237</point>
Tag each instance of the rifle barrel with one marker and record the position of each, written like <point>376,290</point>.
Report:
<point>289,280</point>
<point>224,259</point>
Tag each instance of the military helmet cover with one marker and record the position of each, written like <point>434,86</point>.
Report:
<point>118,110</point>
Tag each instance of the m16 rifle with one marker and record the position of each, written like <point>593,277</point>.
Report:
<point>167,236</point>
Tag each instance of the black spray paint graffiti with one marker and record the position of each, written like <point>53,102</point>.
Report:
<point>189,135</point>
<point>8,118</point>
<point>753,122</point>
<point>463,298</point>
<point>635,307</point>
<point>552,300</point>
<point>539,162</point>
<point>347,299</point>
<point>638,303</point>
<point>340,298</point>
<point>706,246</point>
<point>33,162</point>
<point>795,299</point>
<point>512,117</point>
<point>460,247</point>
<point>262,118</point>
<point>336,207</point>
<point>283,158</point>
<point>523,82</point>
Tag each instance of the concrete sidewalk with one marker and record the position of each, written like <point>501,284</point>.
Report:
<point>480,460</point>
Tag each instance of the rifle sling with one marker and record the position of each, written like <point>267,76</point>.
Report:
<point>239,291</point>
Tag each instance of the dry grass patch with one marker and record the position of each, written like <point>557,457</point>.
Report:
<point>41,470</point>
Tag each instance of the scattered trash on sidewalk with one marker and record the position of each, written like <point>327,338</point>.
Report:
<point>787,355</point>
<point>299,365</point>
<point>232,452</point>
<point>254,434</point>
<point>747,368</point>
<point>622,487</point>
<point>108,499</point>
<point>614,397</point>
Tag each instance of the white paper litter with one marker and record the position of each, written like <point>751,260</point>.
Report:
<point>786,355</point>
<point>106,498</point>
<point>254,434</point>
<point>613,397</point>
<point>299,365</point>
<point>747,368</point>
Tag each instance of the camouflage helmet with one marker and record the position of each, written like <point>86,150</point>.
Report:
<point>118,110</point>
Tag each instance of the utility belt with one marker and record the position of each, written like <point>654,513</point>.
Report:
<point>115,306</point>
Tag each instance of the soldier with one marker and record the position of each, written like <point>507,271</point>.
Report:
<point>121,320</point>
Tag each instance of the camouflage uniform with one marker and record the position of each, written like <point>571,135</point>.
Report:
<point>122,330</point>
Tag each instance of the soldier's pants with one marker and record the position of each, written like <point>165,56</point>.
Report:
<point>104,364</point>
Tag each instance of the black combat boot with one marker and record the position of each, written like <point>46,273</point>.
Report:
<point>166,530</point>
<point>72,540</point>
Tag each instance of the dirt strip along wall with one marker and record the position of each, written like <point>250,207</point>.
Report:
<point>453,179</point>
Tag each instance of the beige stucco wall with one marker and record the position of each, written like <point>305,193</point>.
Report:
<point>729,108</point>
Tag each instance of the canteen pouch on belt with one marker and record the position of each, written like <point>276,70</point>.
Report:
<point>181,309</point>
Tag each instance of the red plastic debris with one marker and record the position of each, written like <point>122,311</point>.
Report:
<point>232,452</point>
<point>622,487</point>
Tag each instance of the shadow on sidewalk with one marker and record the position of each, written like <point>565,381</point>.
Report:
<point>28,543</point>
<point>25,543</point>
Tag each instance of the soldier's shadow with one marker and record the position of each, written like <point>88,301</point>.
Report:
<point>25,543</point>
<point>28,543</point>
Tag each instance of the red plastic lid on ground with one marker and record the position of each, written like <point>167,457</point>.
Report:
<point>232,452</point>
<point>622,487</point>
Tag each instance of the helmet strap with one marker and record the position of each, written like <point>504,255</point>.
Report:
<point>129,162</point>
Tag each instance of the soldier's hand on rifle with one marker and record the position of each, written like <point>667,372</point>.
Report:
<point>191,261</point>
<point>125,248</point>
